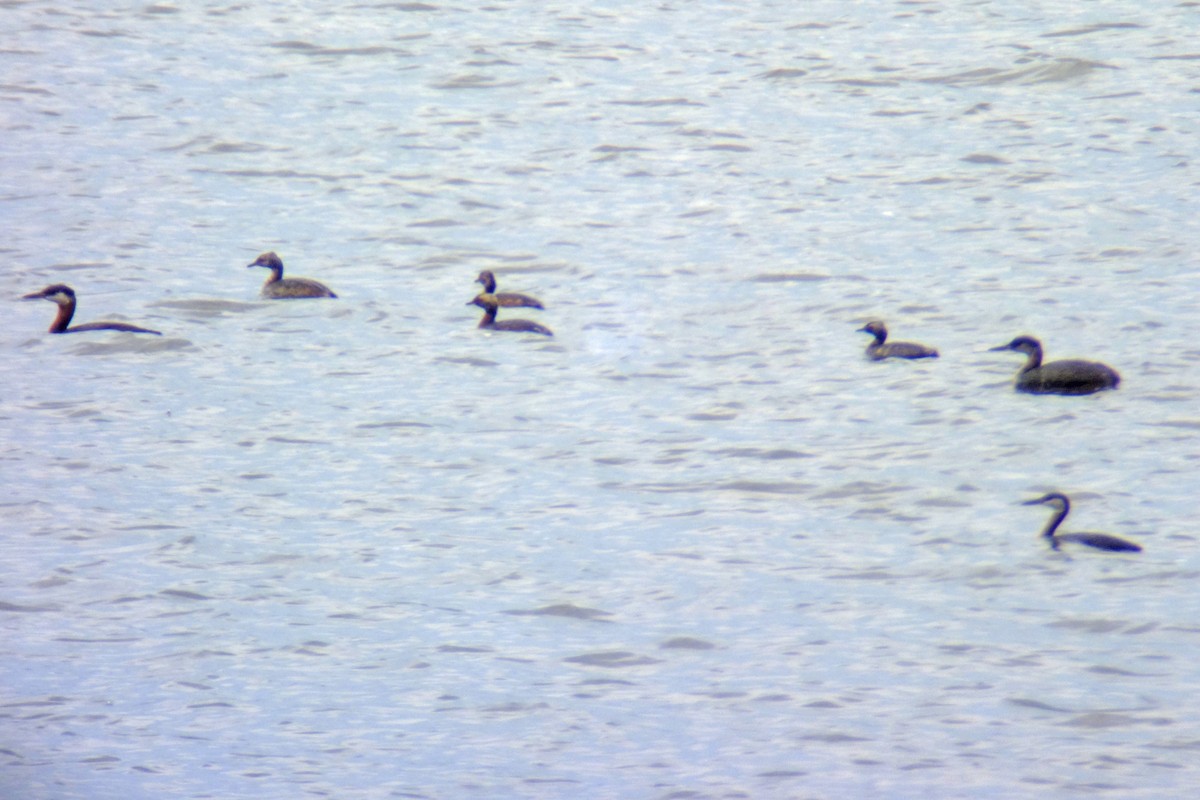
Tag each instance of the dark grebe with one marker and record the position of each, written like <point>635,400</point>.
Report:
<point>488,304</point>
<point>878,351</point>
<point>508,299</point>
<point>1062,506</point>
<point>64,297</point>
<point>1071,376</point>
<point>279,288</point>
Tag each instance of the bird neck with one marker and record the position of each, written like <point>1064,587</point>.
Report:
<point>63,318</point>
<point>1055,521</point>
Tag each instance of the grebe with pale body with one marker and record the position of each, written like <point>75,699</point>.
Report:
<point>488,322</point>
<point>1068,376</point>
<point>64,297</point>
<point>278,287</point>
<point>877,350</point>
<point>506,299</point>
<point>1062,506</point>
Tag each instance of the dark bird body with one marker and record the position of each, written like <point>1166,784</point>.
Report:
<point>878,350</point>
<point>1062,507</point>
<point>1068,376</point>
<point>489,322</point>
<point>64,297</point>
<point>278,287</point>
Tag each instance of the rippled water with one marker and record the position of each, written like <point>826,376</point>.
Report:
<point>695,545</point>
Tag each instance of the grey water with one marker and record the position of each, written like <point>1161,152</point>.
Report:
<point>695,545</point>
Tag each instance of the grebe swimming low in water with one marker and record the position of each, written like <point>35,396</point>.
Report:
<point>1069,376</point>
<point>488,304</point>
<point>278,287</point>
<point>1062,506</point>
<point>64,297</point>
<point>878,351</point>
<point>507,299</point>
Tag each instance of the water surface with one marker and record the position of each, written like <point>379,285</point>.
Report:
<point>695,545</point>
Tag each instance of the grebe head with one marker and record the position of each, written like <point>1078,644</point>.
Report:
<point>876,328</point>
<point>268,260</point>
<point>488,280</point>
<point>1022,344</point>
<point>58,293</point>
<point>485,301</point>
<point>1055,500</point>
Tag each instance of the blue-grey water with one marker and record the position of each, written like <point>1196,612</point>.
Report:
<point>695,545</point>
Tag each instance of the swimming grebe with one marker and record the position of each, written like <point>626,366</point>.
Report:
<point>278,287</point>
<point>1062,506</point>
<point>488,304</point>
<point>508,299</point>
<point>64,297</point>
<point>878,351</point>
<point>1070,376</point>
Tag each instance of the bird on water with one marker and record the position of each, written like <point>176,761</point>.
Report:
<point>488,322</point>
<point>1068,376</point>
<point>507,299</point>
<point>877,350</point>
<point>278,287</point>
<point>1062,506</point>
<point>64,297</point>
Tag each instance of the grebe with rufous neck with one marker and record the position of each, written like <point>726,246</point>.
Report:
<point>1062,506</point>
<point>1068,376</point>
<point>64,297</point>
<point>488,322</point>
<point>278,287</point>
